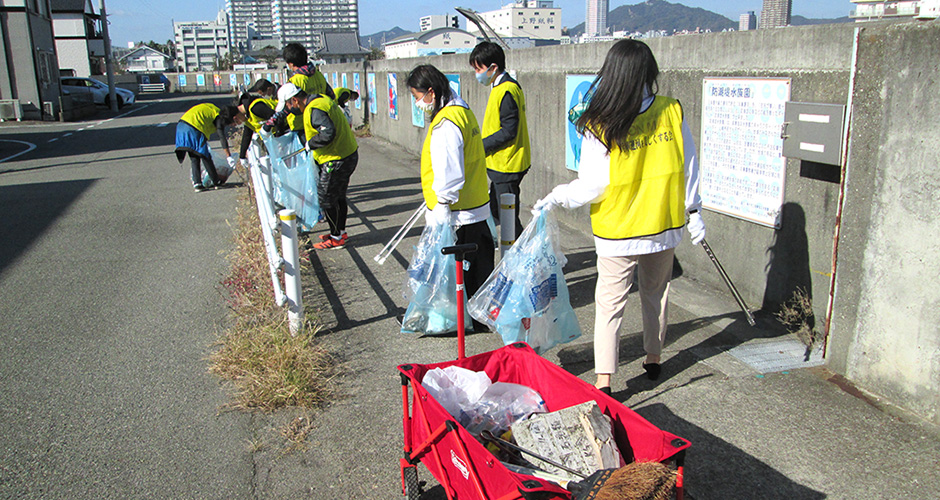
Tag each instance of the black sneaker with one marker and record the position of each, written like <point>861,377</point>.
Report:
<point>198,188</point>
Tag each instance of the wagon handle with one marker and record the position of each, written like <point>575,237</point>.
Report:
<point>458,252</point>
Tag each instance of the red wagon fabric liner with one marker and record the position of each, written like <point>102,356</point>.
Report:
<point>637,438</point>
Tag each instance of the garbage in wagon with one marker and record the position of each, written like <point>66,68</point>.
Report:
<point>431,285</point>
<point>479,404</point>
<point>526,296</point>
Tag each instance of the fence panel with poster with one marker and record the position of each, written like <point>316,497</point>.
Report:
<point>741,151</point>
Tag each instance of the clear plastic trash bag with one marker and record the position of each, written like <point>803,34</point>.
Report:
<point>526,297</point>
<point>479,404</point>
<point>294,179</point>
<point>431,286</point>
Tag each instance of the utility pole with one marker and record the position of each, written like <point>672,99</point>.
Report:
<point>109,66</point>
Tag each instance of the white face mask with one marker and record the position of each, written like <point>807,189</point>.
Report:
<point>427,107</point>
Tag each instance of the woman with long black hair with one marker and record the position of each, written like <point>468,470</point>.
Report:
<point>453,170</point>
<point>639,172</point>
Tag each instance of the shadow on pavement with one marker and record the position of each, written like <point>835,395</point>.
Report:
<point>716,469</point>
<point>29,210</point>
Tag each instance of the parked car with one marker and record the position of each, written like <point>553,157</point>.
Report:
<point>98,90</point>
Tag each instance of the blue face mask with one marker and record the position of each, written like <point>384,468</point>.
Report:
<point>484,77</point>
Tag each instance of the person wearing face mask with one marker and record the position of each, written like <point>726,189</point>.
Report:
<point>505,131</point>
<point>328,136</point>
<point>453,171</point>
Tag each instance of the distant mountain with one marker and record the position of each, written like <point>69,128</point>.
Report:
<point>661,15</point>
<point>802,21</point>
<point>378,39</point>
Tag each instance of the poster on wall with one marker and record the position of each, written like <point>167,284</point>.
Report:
<point>267,76</point>
<point>182,79</point>
<point>335,81</point>
<point>277,78</point>
<point>454,80</point>
<point>345,83</point>
<point>233,80</point>
<point>246,78</point>
<point>393,96</point>
<point>358,90</point>
<point>417,114</point>
<point>741,151</point>
<point>576,87</point>
<point>373,97</point>
<point>217,80</point>
<point>201,80</point>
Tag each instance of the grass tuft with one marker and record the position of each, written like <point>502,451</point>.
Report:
<point>267,366</point>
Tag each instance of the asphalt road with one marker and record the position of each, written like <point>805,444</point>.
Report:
<point>109,300</point>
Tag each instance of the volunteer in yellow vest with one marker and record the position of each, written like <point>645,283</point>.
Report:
<point>505,130</point>
<point>256,110</point>
<point>334,147</point>
<point>192,138</point>
<point>639,172</point>
<point>343,97</point>
<point>307,78</point>
<point>453,170</point>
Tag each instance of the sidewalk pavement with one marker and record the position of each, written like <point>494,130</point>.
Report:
<point>790,433</point>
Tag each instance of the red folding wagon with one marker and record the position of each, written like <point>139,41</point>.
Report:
<point>467,470</point>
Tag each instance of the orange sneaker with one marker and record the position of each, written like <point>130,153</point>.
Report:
<point>330,242</point>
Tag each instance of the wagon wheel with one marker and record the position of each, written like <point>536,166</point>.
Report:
<point>412,486</point>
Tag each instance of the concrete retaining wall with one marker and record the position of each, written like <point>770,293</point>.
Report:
<point>767,266</point>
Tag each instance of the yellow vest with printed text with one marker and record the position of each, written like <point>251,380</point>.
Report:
<point>515,156</point>
<point>474,193</point>
<point>254,121</point>
<point>646,195</point>
<point>202,117</point>
<point>343,143</point>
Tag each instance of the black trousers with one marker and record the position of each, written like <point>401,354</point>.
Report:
<point>501,182</point>
<point>332,185</point>
<point>480,262</point>
<point>194,160</point>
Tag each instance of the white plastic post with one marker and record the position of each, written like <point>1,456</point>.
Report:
<point>291,250</point>
<point>268,226</point>
<point>266,176</point>
<point>507,222</point>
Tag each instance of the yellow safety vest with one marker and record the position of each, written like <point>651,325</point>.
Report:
<point>343,143</point>
<point>202,117</point>
<point>340,92</point>
<point>646,195</point>
<point>314,84</point>
<point>254,121</point>
<point>513,157</point>
<point>474,193</point>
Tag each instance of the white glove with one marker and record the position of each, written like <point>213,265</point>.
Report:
<point>546,203</point>
<point>265,133</point>
<point>696,228</point>
<point>232,161</point>
<point>440,215</point>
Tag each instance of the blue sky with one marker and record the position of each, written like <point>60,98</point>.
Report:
<point>133,20</point>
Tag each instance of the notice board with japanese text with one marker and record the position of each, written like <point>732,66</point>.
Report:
<point>741,151</point>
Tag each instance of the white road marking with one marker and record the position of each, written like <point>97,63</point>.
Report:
<point>53,139</point>
<point>31,147</point>
<point>164,124</point>
<point>66,135</point>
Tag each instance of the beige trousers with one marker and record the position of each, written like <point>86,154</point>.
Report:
<point>614,278</point>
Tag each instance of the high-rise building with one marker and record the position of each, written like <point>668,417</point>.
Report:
<point>535,19</point>
<point>301,21</point>
<point>595,20</point>
<point>747,21</point>
<point>305,21</point>
<point>776,13</point>
<point>248,19</point>
<point>442,21</point>
<point>200,44</point>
